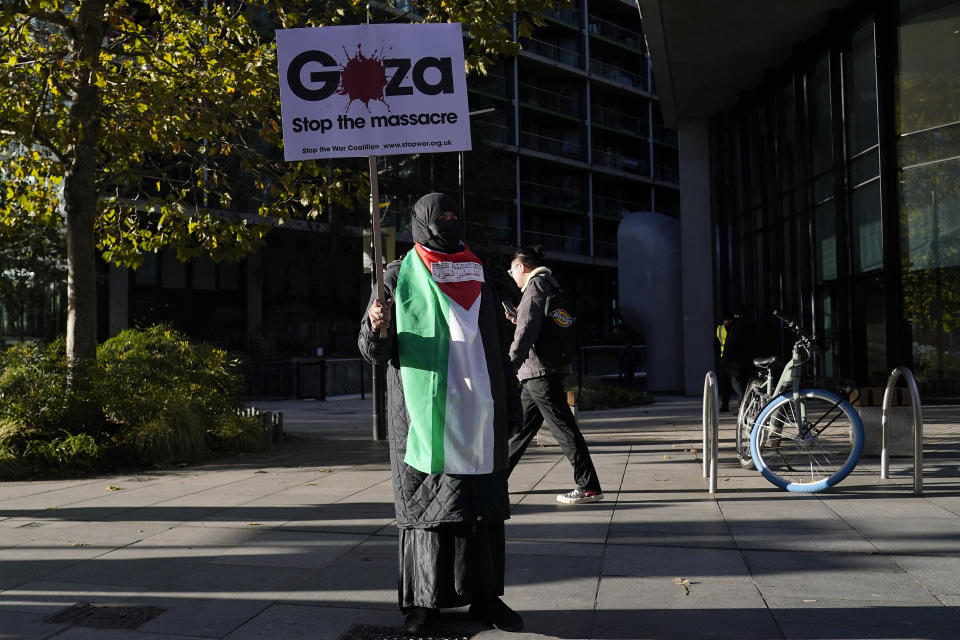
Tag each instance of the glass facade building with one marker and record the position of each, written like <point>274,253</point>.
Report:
<point>567,137</point>
<point>836,191</point>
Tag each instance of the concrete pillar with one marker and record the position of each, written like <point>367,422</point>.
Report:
<point>696,234</point>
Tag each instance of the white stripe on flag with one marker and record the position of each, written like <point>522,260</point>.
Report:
<point>468,447</point>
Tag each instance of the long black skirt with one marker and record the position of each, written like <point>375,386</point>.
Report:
<point>450,565</point>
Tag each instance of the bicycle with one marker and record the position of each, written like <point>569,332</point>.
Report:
<point>801,438</point>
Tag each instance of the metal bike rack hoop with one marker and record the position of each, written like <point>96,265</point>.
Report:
<point>907,375</point>
<point>711,427</point>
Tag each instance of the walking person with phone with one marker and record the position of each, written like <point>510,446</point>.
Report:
<point>542,394</point>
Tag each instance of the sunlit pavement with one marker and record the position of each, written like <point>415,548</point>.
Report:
<point>299,542</point>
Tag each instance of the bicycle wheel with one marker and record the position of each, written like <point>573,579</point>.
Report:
<point>750,405</point>
<point>809,443</point>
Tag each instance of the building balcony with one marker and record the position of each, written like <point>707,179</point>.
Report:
<point>491,83</point>
<point>616,74</point>
<point>491,132</point>
<point>551,51</point>
<point>566,16</point>
<point>664,135</point>
<point>619,120</point>
<point>536,193</point>
<point>613,160</point>
<point>544,144</point>
<point>489,232</point>
<point>666,173</point>
<point>555,242</point>
<point>615,208</point>
<point>616,33</point>
<point>545,99</point>
<point>605,249</point>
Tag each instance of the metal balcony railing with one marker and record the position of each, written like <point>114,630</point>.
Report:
<point>615,207</point>
<point>489,233</point>
<point>616,32</point>
<point>667,174</point>
<point>605,249</point>
<point>552,100</point>
<point>556,242</point>
<point>491,83</point>
<point>618,120</point>
<point>552,196</point>
<point>566,16</point>
<point>491,132</point>
<point>611,72</point>
<point>554,146</point>
<point>664,135</point>
<point>615,160</point>
<point>551,51</point>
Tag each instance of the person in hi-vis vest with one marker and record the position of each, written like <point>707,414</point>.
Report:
<point>721,365</point>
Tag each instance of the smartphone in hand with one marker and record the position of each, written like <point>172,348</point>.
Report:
<point>510,309</point>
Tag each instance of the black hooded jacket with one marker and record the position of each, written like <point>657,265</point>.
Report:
<point>426,500</point>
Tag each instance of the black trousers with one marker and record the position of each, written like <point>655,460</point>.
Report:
<point>450,565</point>
<point>544,401</point>
<point>731,379</point>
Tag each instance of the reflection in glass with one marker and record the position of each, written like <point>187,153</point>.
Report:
<point>867,230</point>
<point>825,242</point>
<point>821,121</point>
<point>861,96</point>
<point>928,111</point>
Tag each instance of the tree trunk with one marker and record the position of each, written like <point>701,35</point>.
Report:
<point>80,190</point>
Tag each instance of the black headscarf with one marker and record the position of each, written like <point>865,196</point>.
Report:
<point>429,230</point>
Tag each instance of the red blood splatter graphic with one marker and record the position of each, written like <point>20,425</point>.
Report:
<point>363,79</point>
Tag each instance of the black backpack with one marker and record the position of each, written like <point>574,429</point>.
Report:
<point>557,344</point>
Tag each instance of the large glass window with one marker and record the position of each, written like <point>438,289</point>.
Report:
<point>863,151</point>
<point>928,95</point>
<point>821,128</point>
<point>825,242</point>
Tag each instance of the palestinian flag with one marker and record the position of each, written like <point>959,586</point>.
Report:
<point>442,362</point>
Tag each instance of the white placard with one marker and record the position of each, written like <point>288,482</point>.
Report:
<point>372,89</point>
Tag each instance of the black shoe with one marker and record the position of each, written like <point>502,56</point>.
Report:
<point>724,408</point>
<point>416,619</point>
<point>493,612</point>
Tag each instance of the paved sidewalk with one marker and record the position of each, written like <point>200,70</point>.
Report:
<point>298,542</point>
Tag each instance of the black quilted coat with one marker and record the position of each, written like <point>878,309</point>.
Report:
<point>425,500</point>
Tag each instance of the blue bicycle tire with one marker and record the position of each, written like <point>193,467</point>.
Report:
<point>777,451</point>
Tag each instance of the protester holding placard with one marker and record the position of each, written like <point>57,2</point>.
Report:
<point>451,408</point>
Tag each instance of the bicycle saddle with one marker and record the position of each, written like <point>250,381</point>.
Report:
<point>763,363</point>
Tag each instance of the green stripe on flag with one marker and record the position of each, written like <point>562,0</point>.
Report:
<point>423,337</point>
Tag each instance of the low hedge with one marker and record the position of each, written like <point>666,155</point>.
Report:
<point>151,397</point>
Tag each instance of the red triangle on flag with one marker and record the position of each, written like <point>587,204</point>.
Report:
<point>459,275</point>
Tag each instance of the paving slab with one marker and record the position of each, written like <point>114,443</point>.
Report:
<point>26,626</point>
<point>300,542</point>
<point>310,622</point>
<point>846,618</point>
<point>664,608</point>
<point>47,598</point>
<point>667,562</point>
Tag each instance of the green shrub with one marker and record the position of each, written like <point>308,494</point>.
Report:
<point>152,397</point>
<point>67,452</point>
<point>234,433</point>
<point>166,395</point>
<point>176,433</point>
<point>145,370</point>
<point>35,394</point>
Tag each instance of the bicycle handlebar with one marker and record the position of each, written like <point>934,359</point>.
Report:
<point>793,325</point>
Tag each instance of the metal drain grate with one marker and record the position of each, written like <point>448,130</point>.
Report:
<point>373,632</point>
<point>105,615</point>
